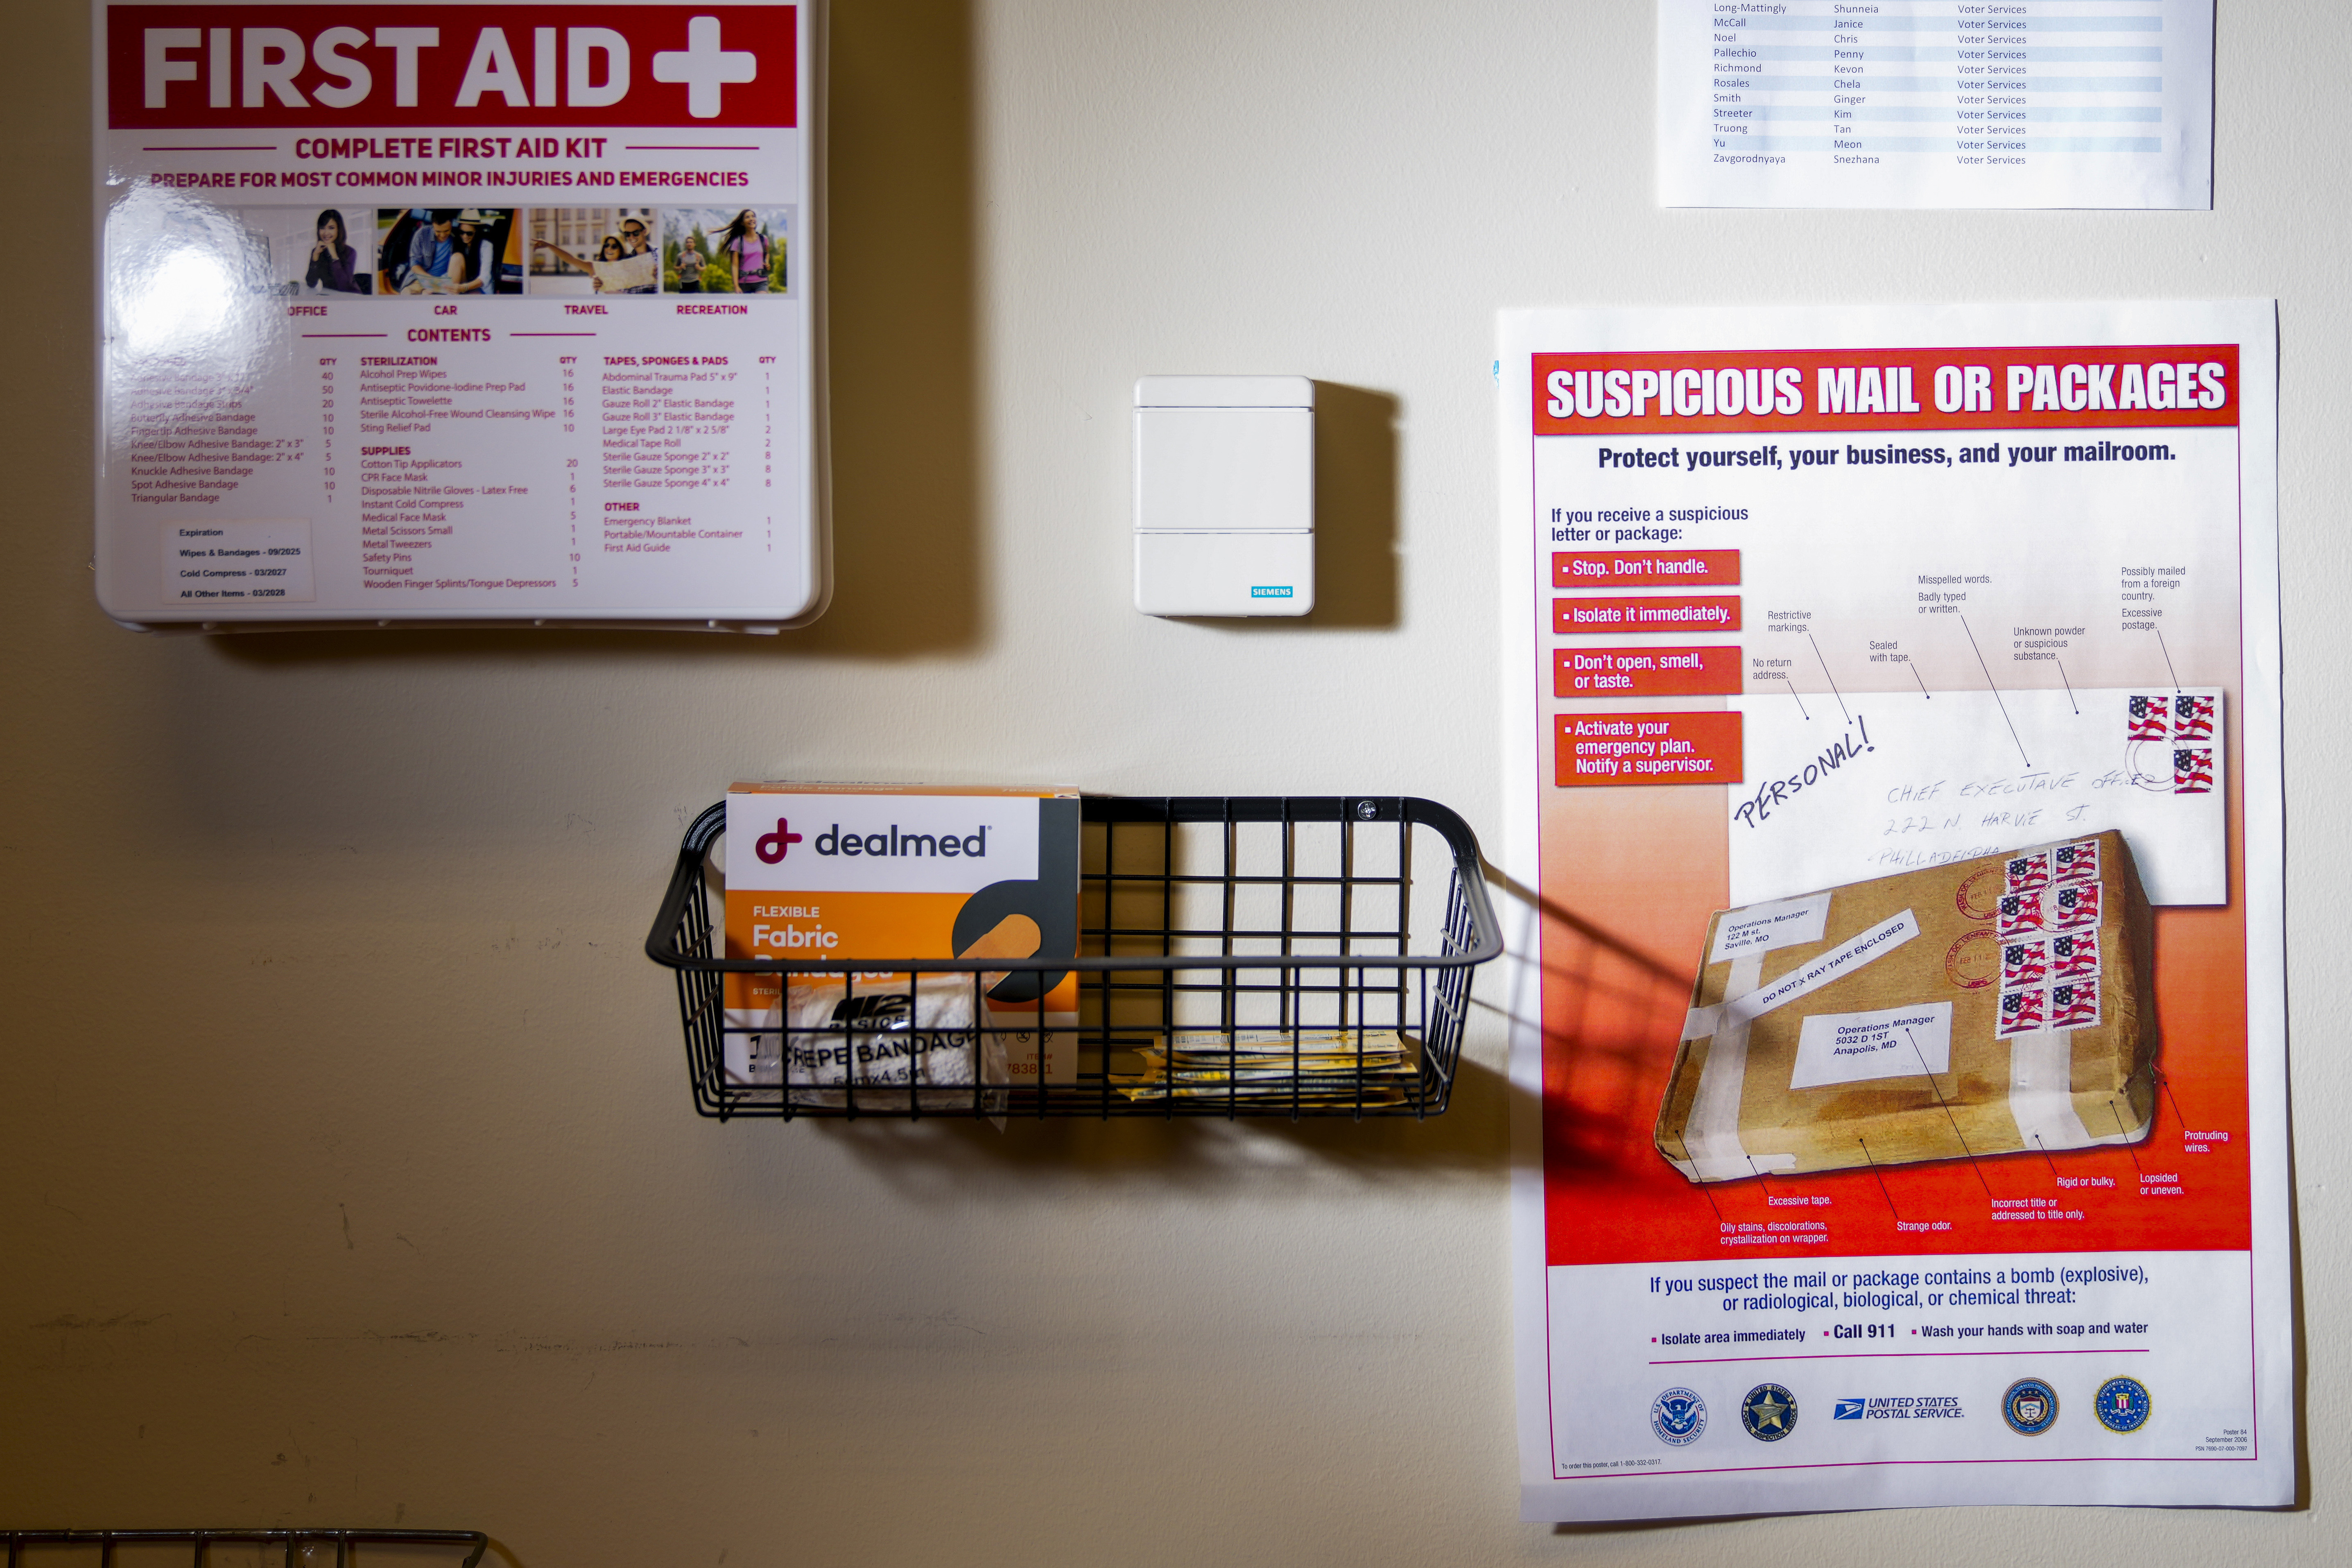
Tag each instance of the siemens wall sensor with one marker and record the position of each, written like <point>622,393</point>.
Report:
<point>1224,495</point>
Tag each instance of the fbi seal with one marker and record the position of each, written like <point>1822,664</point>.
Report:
<point>2031,1408</point>
<point>1770,1413</point>
<point>1678,1416</point>
<point>2122,1404</point>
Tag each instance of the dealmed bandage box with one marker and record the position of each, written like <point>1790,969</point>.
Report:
<point>1989,1006</point>
<point>819,873</point>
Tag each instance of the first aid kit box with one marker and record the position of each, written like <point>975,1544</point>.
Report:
<point>492,313</point>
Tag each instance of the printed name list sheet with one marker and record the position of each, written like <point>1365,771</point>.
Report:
<point>1935,103</point>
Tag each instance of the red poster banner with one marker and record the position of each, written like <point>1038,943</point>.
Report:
<point>397,69</point>
<point>1645,569</point>
<point>1883,391</point>
<point>1646,671</point>
<point>1676,613</point>
<point>1645,748</point>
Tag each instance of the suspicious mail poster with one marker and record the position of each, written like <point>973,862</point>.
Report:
<point>1893,770</point>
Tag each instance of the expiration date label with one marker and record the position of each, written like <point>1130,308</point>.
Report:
<point>1894,1042</point>
<point>238,561</point>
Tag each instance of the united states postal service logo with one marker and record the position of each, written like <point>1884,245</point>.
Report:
<point>1678,1416</point>
<point>2029,1407</point>
<point>1770,1413</point>
<point>1847,1410</point>
<point>2122,1404</point>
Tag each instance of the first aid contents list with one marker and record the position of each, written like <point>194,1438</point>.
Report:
<point>1992,103</point>
<point>456,311</point>
<point>461,459</point>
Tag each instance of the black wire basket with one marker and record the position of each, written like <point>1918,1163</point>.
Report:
<point>72,1545</point>
<point>1237,956</point>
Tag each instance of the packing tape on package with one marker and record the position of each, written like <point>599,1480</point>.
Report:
<point>1713,1134</point>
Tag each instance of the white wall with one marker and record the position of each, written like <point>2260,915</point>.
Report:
<point>348,1172</point>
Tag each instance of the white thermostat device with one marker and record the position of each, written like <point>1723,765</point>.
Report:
<point>1224,495</point>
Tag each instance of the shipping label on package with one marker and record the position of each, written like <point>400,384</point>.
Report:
<point>820,874</point>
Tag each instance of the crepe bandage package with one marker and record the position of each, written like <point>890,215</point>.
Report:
<point>1993,1006</point>
<point>819,873</point>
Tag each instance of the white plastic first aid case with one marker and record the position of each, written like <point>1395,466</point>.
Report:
<point>506,313</point>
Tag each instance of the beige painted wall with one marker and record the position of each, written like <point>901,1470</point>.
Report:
<point>347,1172</point>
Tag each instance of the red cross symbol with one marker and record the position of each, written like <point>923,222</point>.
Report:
<point>704,67</point>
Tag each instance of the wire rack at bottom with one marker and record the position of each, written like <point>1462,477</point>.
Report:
<point>40,1548</point>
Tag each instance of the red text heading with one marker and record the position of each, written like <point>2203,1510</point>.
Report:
<point>292,68</point>
<point>1886,389</point>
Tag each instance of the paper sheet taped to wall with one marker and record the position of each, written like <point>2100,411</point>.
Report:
<point>2103,104</point>
<point>1850,650</point>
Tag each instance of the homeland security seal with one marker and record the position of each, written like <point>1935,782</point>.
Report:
<point>1770,1413</point>
<point>2031,1408</point>
<point>2122,1404</point>
<point>1678,1416</point>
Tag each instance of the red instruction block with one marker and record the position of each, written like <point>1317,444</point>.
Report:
<point>1645,748</point>
<point>1645,568</point>
<point>1644,671</point>
<point>1679,613</point>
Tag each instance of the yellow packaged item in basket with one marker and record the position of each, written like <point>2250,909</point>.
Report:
<point>1312,1067</point>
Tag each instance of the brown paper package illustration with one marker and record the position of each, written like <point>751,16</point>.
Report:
<point>1999,1005</point>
